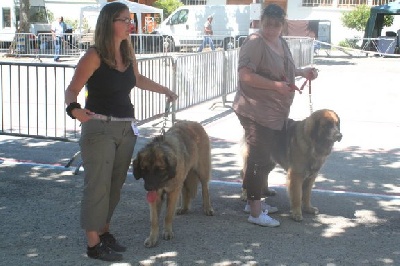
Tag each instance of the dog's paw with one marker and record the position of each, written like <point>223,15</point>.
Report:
<point>181,211</point>
<point>168,235</point>
<point>311,210</point>
<point>150,242</point>
<point>298,217</point>
<point>209,211</point>
<point>243,197</point>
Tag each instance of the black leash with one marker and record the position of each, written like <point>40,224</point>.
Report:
<point>309,96</point>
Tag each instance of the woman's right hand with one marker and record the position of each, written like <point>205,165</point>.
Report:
<point>284,88</point>
<point>81,114</point>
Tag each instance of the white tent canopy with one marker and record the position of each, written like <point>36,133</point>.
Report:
<point>134,7</point>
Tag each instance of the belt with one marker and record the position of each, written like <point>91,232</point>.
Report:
<point>112,118</point>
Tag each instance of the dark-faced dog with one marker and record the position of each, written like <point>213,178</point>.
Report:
<point>172,165</point>
<point>302,150</point>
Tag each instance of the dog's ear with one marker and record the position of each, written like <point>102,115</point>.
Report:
<point>137,173</point>
<point>315,129</point>
<point>310,130</point>
<point>338,119</point>
<point>171,166</point>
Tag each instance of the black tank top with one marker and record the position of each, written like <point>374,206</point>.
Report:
<point>108,91</point>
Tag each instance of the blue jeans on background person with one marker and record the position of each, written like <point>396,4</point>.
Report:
<point>57,47</point>
<point>206,40</point>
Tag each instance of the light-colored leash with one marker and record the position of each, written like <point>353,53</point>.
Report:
<point>165,117</point>
<point>300,90</point>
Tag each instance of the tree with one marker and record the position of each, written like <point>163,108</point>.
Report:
<point>358,18</point>
<point>168,6</point>
<point>24,23</point>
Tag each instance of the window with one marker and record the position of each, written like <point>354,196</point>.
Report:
<point>180,17</point>
<point>352,2</point>
<point>37,14</point>
<point>194,2</point>
<point>317,2</point>
<point>6,18</point>
<point>345,3</point>
<point>381,2</point>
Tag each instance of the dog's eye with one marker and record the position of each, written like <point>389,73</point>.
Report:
<point>327,125</point>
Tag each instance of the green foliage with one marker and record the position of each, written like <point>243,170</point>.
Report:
<point>50,15</point>
<point>72,23</point>
<point>350,43</point>
<point>388,20</point>
<point>357,19</point>
<point>168,6</point>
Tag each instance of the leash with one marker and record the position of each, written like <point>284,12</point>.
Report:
<point>300,90</point>
<point>165,117</point>
<point>309,96</point>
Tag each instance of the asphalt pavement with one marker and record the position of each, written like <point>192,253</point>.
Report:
<point>357,191</point>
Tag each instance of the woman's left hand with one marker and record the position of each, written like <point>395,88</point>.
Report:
<point>310,73</point>
<point>172,96</point>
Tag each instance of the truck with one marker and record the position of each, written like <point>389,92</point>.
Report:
<point>184,28</point>
<point>9,19</point>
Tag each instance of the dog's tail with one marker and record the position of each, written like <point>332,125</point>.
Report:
<point>190,184</point>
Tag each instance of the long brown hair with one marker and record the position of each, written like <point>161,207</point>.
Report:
<point>104,35</point>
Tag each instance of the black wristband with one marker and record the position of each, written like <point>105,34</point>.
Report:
<point>71,107</point>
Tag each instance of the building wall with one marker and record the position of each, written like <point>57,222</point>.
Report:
<point>333,13</point>
<point>294,10</point>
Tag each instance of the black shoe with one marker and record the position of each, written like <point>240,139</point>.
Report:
<point>102,252</point>
<point>109,240</point>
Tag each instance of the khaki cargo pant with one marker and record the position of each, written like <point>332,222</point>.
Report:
<point>106,150</point>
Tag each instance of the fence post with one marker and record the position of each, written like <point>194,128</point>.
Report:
<point>173,88</point>
<point>225,77</point>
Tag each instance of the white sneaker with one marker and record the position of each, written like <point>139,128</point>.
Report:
<point>264,207</point>
<point>264,220</point>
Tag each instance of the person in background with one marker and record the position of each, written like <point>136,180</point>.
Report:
<point>207,33</point>
<point>58,29</point>
<point>109,71</point>
<point>262,104</point>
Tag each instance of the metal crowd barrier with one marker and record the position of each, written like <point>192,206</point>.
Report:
<point>32,94</point>
<point>42,45</point>
<point>302,50</point>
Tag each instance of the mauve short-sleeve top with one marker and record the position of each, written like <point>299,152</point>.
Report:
<point>266,107</point>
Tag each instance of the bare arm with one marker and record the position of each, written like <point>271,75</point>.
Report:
<point>85,68</point>
<point>308,73</point>
<point>145,83</point>
<point>255,80</point>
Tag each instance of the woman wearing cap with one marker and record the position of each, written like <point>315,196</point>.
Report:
<point>262,104</point>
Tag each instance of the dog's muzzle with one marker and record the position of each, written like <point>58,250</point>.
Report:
<point>338,137</point>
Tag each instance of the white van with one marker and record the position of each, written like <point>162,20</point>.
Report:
<point>184,28</point>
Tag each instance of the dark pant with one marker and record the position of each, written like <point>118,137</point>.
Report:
<point>258,163</point>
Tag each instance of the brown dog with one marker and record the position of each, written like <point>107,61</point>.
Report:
<point>302,151</point>
<point>172,165</point>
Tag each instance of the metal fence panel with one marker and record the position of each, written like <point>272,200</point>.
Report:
<point>32,94</point>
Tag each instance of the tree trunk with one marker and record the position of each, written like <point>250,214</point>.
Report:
<point>24,23</point>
